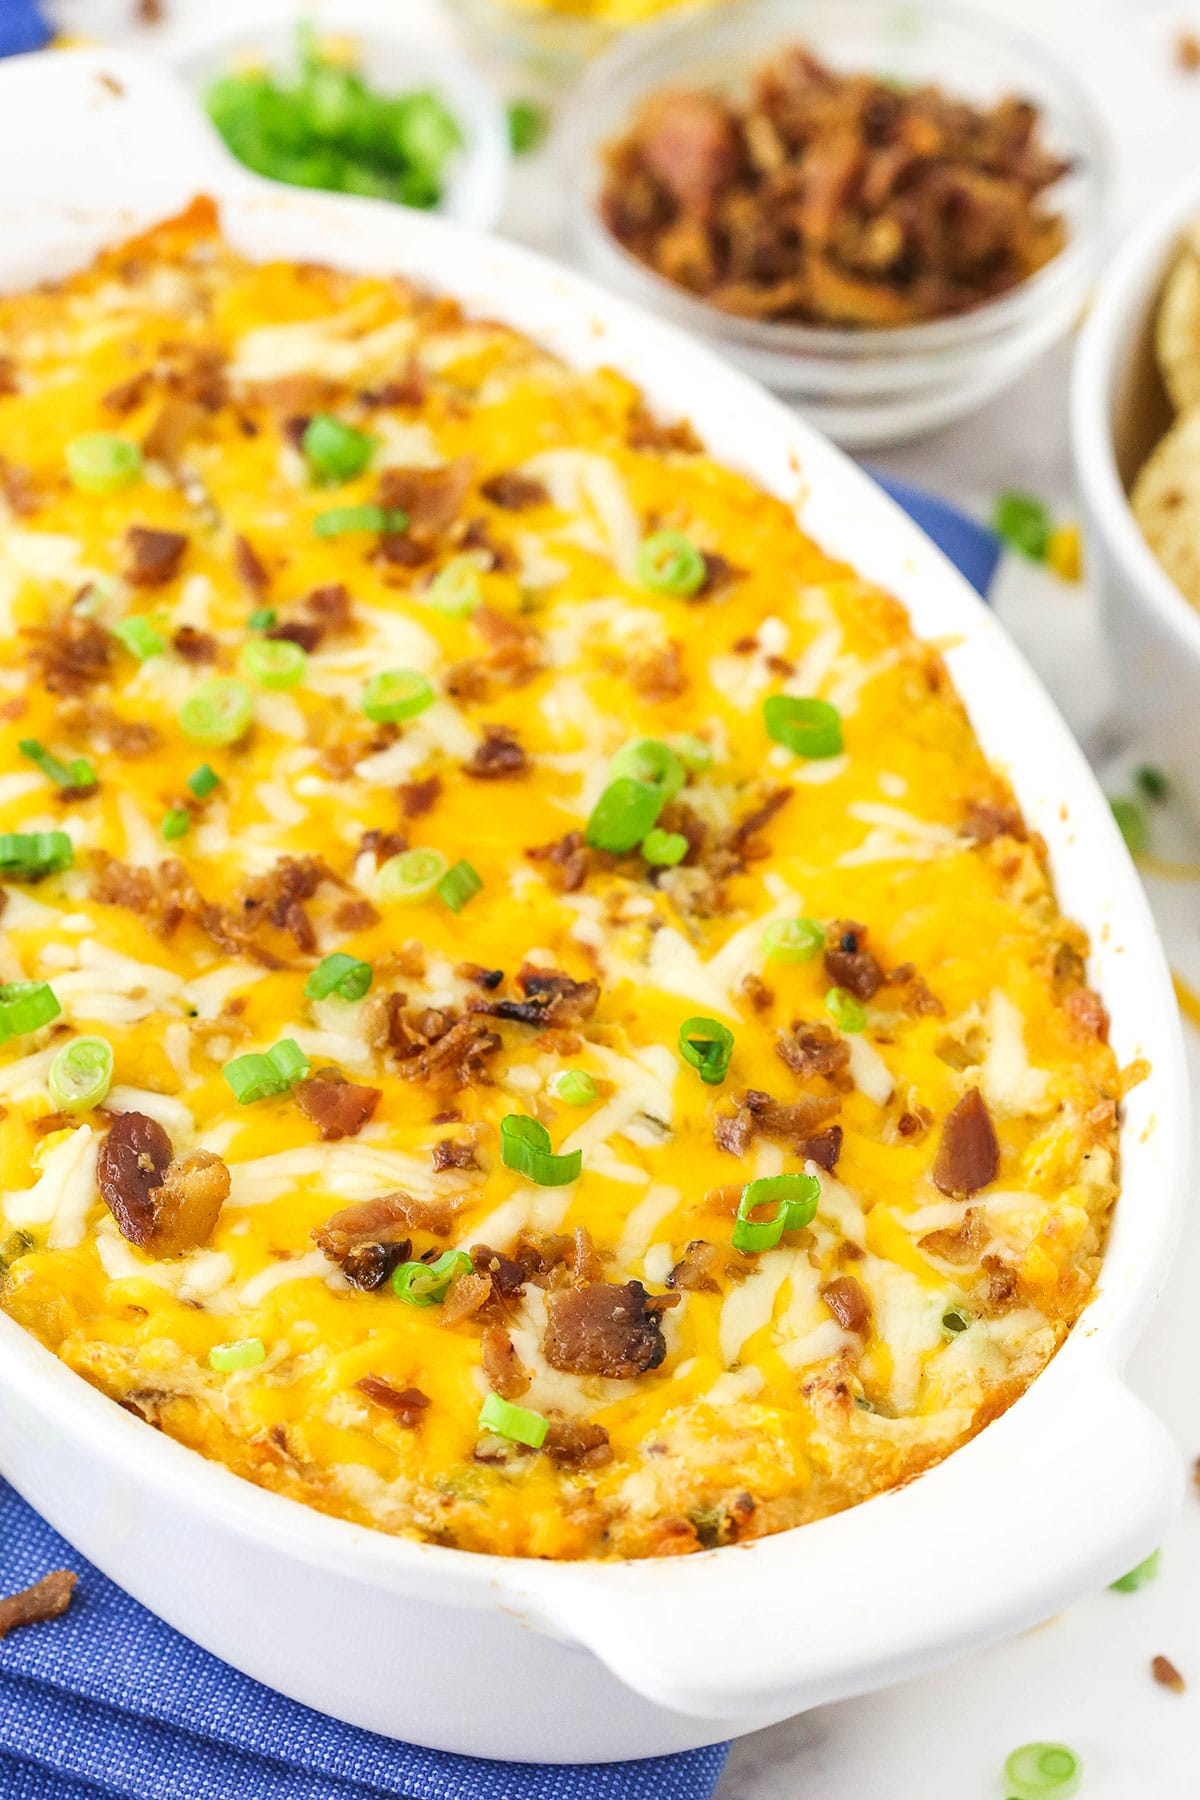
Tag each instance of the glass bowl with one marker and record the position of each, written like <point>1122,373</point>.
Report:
<point>868,386</point>
<point>553,42</point>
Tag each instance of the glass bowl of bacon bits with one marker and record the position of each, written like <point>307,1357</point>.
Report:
<point>883,212</point>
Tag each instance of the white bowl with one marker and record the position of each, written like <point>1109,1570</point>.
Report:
<point>1119,411</point>
<point>200,47</point>
<point>862,387</point>
<point>541,1661</point>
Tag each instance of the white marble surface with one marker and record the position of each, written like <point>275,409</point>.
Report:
<point>1083,1678</point>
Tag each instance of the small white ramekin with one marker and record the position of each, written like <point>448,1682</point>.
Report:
<point>1118,412</point>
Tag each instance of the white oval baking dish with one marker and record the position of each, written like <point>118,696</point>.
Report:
<point>1118,412</point>
<point>541,1661</point>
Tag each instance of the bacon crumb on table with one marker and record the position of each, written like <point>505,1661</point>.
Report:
<point>1167,1675</point>
<point>47,1599</point>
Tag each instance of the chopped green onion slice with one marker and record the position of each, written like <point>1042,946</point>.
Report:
<point>140,637</point>
<point>459,884</point>
<point>706,1046</point>
<point>81,1074</point>
<point>793,940</point>
<point>262,619</point>
<point>102,462</point>
<point>527,123</point>
<point>525,1147</point>
<point>334,451</point>
<point>219,711</point>
<point>1132,824</point>
<point>575,1087</point>
<point>956,1319</point>
<point>1043,1772</point>
<point>339,520</point>
<point>811,728</point>
<point>340,974</point>
<point>176,822</point>
<point>274,662</point>
<point>28,855</point>
<point>670,563</point>
<point>411,876</point>
<point>695,753</point>
<point>845,1011</point>
<point>1139,1577</point>
<point>241,1353</point>
<point>24,1006</point>
<point>651,762</point>
<point>517,1423</point>
<point>455,590</point>
<point>623,815</point>
<point>796,1199</point>
<point>426,1284</point>
<point>202,781</point>
<point>1023,523</point>
<point>260,1075</point>
<point>396,694</point>
<point>664,848</point>
<point>78,773</point>
<point>1151,783</point>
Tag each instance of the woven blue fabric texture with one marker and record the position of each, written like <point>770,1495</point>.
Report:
<point>22,27</point>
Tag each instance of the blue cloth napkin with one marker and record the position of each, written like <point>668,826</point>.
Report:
<point>22,27</point>
<point>970,546</point>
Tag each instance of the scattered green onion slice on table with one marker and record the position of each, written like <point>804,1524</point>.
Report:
<point>1139,1577</point>
<point>339,520</point>
<point>574,1086</point>
<point>652,762</point>
<point>28,855</point>
<point>807,727</point>
<point>623,815</point>
<point>427,1284</point>
<point>176,823</point>
<point>706,1046</point>
<point>262,1074</point>
<point>1132,824</point>
<point>1152,783</point>
<point>846,1012</point>
<point>396,694</point>
<point>335,451</point>
<point>459,884</point>
<point>796,1198</point>
<point>219,711</point>
<point>527,125</point>
<point>411,876</point>
<point>517,1423</point>
<point>1043,1772</point>
<point>241,1353</point>
<point>103,462</point>
<point>525,1147</point>
<point>25,1006</point>
<point>347,976</point>
<point>455,590</point>
<point>202,781</point>
<point>668,562</point>
<point>793,940</point>
<point>664,848</point>
<point>1023,523</point>
<point>78,773</point>
<point>140,637</point>
<point>274,662</point>
<point>81,1074</point>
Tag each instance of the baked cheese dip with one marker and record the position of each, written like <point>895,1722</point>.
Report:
<point>528,1020</point>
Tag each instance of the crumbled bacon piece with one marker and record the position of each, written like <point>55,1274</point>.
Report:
<point>660,674</point>
<point>370,1239</point>
<point>960,1245</point>
<point>307,633</point>
<point>508,1275</point>
<point>176,420</point>
<point>278,897</point>
<point>506,1373</point>
<point>498,757</point>
<point>1087,1013</point>
<point>47,1599</point>
<point>916,997</point>
<point>847,1302</point>
<point>406,1405</point>
<point>968,1156</point>
<point>513,491</point>
<point>127,395</point>
<point>568,855</point>
<point>72,654</point>
<point>603,1329</point>
<point>453,1153</point>
<point>194,646</point>
<point>758,1114</point>
<point>815,1049</point>
<point>986,821</point>
<point>434,1042</point>
<point>355,915</point>
<point>513,645</point>
<point>332,605</point>
<point>164,1206</point>
<point>848,963</point>
<point>698,1268</point>
<point>251,569</point>
<point>551,998</point>
<point>18,488</point>
<point>337,1107</point>
<point>154,556</point>
<point>432,498</point>
<point>8,377</point>
<point>577,1444</point>
<point>419,797</point>
<point>467,1294</point>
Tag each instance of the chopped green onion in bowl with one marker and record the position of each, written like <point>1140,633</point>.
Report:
<point>334,450</point>
<point>262,1075</point>
<point>81,1074</point>
<point>347,976</point>
<point>846,1012</point>
<point>241,1353</point>
<point>793,940</point>
<point>26,1006</point>
<point>707,1046</point>
<point>274,662</point>
<point>411,876</point>
<point>517,1423</point>
<point>77,774</point>
<point>102,462</point>
<point>459,884</point>
<point>668,562</point>
<point>338,521</point>
<point>808,727</point>
<point>525,1147</point>
<point>427,1284</point>
<point>219,711</point>
<point>396,694</point>
<point>574,1086</point>
<point>30,855</point>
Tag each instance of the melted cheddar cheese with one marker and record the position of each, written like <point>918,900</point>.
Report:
<point>747,1391</point>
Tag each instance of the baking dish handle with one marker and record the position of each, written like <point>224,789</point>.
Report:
<point>1064,1493</point>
